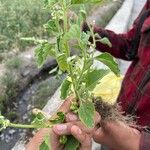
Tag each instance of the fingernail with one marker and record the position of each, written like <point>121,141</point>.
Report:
<point>72,117</point>
<point>61,128</point>
<point>77,129</point>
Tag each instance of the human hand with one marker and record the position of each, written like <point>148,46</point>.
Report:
<point>116,135</point>
<point>75,128</point>
<point>38,138</point>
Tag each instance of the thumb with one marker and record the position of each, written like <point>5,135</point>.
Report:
<point>109,130</point>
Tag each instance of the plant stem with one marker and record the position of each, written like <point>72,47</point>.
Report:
<point>25,126</point>
<point>74,82</point>
<point>81,75</point>
<point>22,126</point>
<point>68,52</point>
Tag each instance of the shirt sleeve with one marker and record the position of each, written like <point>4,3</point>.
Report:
<point>121,43</point>
<point>145,141</point>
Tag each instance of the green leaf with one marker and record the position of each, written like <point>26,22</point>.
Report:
<point>73,33</point>
<point>81,16</point>
<point>85,37</point>
<point>46,144</point>
<point>63,139</point>
<point>65,88</point>
<point>59,119</point>
<point>105,41</point>
<point>74,107</point>
<point>85,1</point>
<point>42,52</point>
<point>62,62</point>
<point>39,120</point>
<point>86,113</point>
<point>109,61</point>
<point>93,77</point>
<point>84,40</point>
<point>4,123</point>
<point>51,26</point>
<point>88,64</point>
<point>72,143</point>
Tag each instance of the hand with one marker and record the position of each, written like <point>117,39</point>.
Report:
<point>116,135</point>
<point>70,129</point>
<point>77,129</point>
<point>82,134</point>
<point>38,138</point>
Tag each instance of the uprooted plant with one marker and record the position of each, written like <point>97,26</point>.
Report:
<point>82,76</point>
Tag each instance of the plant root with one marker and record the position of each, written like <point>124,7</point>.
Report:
<point>113,113</point>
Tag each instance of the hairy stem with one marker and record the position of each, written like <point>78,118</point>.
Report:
<point>27,126</point>
<point>68,53</point>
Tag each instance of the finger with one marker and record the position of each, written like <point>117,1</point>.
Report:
<point>65,107</point>
<point>65,129</point>
<point>109,131</point>
<point>99,136</point>
<point>97,118</point>
<point>113,128</point>
<point>54,140</point>
<point>70,117</point>
<point>37,140</point>
<point>82,137</point>
<point>117,130</point>
<point>61,129</point>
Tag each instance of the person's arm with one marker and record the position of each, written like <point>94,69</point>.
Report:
<point>145,141</point>
<point>121,43</point>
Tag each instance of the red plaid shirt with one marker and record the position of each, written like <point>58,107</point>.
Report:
<point>135,91</point>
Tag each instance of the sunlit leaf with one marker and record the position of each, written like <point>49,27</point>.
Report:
<point>94,76</point>
<point>109,61</point>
